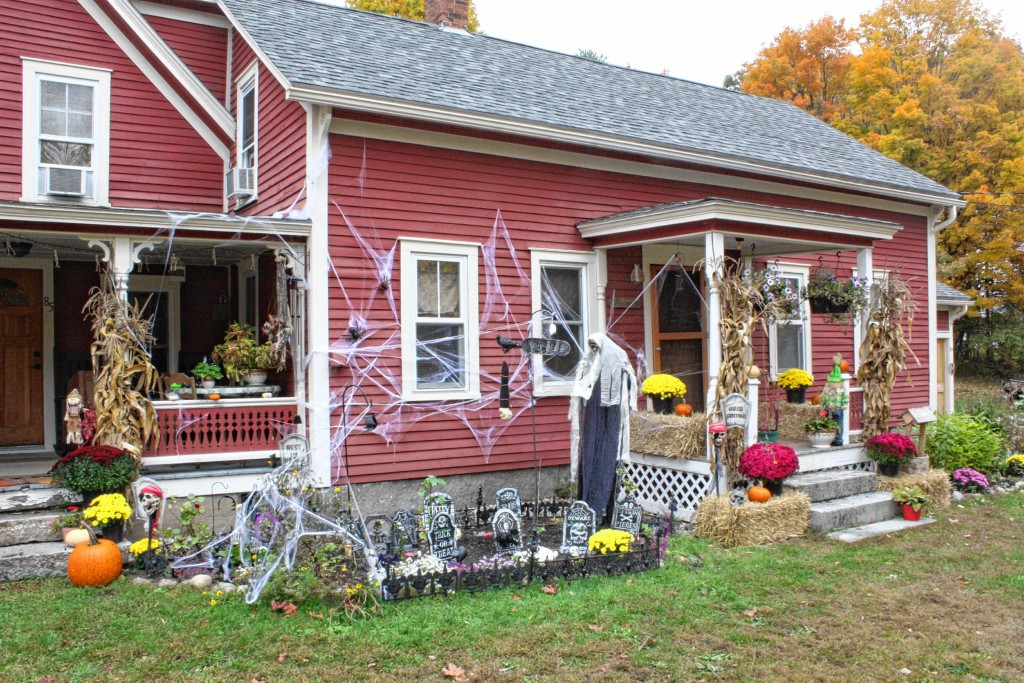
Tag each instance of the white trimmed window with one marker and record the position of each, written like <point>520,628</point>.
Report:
<point>247,135</point>
<point>789,341</point>
<point>561,282</point>
<point>440,321</point>
<point>65,133</point>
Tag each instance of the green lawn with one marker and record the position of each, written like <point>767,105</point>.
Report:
<point>945,602</point>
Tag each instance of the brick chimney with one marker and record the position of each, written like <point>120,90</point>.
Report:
<point>453,13</point>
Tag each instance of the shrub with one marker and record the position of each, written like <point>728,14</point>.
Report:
<point>958,440</point>
<point>92,469</point>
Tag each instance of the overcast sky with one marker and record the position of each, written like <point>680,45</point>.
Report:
<point>699,41</point>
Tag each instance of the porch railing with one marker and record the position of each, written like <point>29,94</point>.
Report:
<point>220,430</point>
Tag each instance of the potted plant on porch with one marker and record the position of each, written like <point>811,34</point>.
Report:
<point>912,499</point>
<point>93,470</point>
<point>769,462</point>
<point>243,358</point>
<point>795,381</point>
<point>822,430</point>
<point>889,450</point>
<point>207,373</point>
<point>663,390</point>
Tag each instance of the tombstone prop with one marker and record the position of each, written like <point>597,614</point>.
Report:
<point>508,535</point>
<point>384,535</point>
<point>508,499</point>
<point>441,537</point>
<point>438,503</point>
<point>294,451</point>
<point>577,528</point>
<point>407,521</point>
<point>628,516</point>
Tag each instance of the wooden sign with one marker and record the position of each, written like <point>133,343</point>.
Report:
<point>508,535</point>
<point>441,537</point>
<point>735,411</point>
<point>577,528</point>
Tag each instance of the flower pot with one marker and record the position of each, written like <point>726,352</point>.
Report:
<point>768,436</point>
<point>114,532</point>
<point>821,439</point>
<point>796,395</point>
<point>664,406</point>
<point>209,383</point>
<point>255,378</point>
<point>910,514</point>
<point>888,469</point>
<point>774,486</point>
<point>822,304</point>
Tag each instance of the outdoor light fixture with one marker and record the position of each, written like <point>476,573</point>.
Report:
<point>637,274</point>
<point>18,249</point>
<point>347,394</point>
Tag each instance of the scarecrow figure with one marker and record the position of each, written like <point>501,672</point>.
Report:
<point>834,397</point>
<point>602,396</point>
<point>73,418</point>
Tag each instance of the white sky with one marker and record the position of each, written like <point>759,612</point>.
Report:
<point>700,41</point>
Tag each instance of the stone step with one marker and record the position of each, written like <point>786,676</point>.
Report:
<point>37,497</point>
<point>831,484</point>
<point>17,528</point>
<point>33,559</point>
<point>889,526</point>
<point>863,508</point>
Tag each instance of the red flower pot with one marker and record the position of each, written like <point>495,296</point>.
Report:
<point>910,514</point>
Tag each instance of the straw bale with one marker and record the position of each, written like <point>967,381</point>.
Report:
<point>782,517</point>
<point>935,484</point>
<point>793,417</point>
<point>671,436</point>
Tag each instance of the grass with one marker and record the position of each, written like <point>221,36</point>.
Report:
<point>943,602</point>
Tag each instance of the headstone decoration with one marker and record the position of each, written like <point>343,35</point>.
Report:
<point>384,535</point>
<point>508,535</point>
<point>628,516</point>
<point>508,499</point>
<point>406,520</point>
<point>294,452</point>
<point>735,411</point>
<point>436,504</point>
<point>441,537</point>
<point>577,528</point>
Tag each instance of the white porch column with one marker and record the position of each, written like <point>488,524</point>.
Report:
<point>846,413</point>
<point>753,391</point>
<point>602,283</point>
<point>714,250</point>
<point>866,271</point>
<point>121,254</point>
<point>318,372</point>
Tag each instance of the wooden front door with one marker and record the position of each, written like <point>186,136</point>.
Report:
<point>941,368</point>
<point>21,357</point>
<point>678,326</point>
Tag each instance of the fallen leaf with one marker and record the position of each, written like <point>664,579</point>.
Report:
<point>454,672</point>
<point>550,588</point>
<point>372,664</point>
<point>281,657</point>
<point>45,679</point>
<point>603,668</point>
<point>316,615</point>
<point>750,613</point>
<point>953,521</point>
<point>431,657</point>
<point>595,627</point>
<point>283,606</point>
<point>255,679</point>
<point>515,596</point>
<point>623,655</point>
<point>905,671</point>
<point>629,582</point>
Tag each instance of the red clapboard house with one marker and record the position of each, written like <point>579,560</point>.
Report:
<point>408,191</point>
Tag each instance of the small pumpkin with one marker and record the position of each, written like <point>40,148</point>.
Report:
<point>214,397</point>
<point>754,372</point>
<point>684,410</point>
<point>95,563</point>
<point>759,494</point>
<point>76,537</point>
<point>816,399</point>
<point>844,365</point>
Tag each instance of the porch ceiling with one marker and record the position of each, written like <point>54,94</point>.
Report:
<point>774,230</point>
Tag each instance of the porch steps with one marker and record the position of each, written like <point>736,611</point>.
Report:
<point>17,528</point>
<point>889,526</point>
<point>831,484</point>
<point>27,545</point>
<point>36,497</point>
<point>843,498</point>
<point>27,560</point>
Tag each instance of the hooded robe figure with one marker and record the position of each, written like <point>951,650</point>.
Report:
<point>602,396</point>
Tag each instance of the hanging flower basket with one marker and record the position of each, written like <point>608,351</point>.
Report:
<point>824,305</point>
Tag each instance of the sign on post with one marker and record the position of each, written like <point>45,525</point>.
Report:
<point>546,347</point>
<point>735,411</point>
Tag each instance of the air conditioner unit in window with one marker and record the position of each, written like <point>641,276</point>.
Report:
<point>240,183</point>
<point>64,182</point>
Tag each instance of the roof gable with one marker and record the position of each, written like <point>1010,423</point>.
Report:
<point>337,49</point>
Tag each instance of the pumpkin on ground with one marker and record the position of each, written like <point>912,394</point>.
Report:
<point>95,563</point>
<point>684,410</point>
<point>76,537</point>
<point>759,494</point>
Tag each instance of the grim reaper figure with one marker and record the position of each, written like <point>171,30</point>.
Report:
<point>602,396</point>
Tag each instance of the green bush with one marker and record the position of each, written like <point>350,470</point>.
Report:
<point>960,440</point>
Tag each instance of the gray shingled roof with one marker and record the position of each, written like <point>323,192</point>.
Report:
<point>345,50</point>
<point>946,294</point>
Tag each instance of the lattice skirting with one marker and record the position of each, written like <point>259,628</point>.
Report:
<point>660,482</point>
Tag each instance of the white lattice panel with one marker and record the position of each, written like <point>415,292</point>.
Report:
<point>658,486</point>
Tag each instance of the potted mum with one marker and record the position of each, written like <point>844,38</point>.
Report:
<point>242,357</point>
<point>663,390</point>
<point>969,480</point>
<point>92,470</point>
<point>889,451</point>
<point>795,381</point>
<point>913,499</point>
<point>109,512</point>
<point>769,462</point>
<point>838,298</point>
<point>822,430</point>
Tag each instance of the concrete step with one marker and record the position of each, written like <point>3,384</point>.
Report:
<point>33,559</point>
<point>37,497</point>
<point>17,528</point>
<point>831,484</point>
<point>890,526</point>
<point>863,508</point>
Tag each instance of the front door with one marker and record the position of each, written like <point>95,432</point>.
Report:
<point>677,323</point>
<point>941,369</point>
<point>21,357</point>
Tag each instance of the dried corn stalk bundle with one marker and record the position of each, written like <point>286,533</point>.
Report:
<point>884,350</point>
<point>782,517</point>
<point>125,417</point>
<point>670,436</point>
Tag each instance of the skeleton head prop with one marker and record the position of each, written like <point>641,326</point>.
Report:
<point>149,500</point>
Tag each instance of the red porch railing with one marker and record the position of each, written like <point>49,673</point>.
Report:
<point>213,428</point>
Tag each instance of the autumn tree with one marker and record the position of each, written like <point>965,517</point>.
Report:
<point>409,9</point>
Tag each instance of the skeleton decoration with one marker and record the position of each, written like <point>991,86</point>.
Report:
<point>149,500</point>
<point>73,418</point>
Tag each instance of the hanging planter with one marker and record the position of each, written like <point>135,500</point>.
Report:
<point>840,299</point>
<point>824,305</point>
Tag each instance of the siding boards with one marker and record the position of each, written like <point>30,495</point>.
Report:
<point>204,49</point>
<point>157,160</point>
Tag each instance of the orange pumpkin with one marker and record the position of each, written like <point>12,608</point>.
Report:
<point>214,397</point>
<point>844,365</point>
<point>95,563</point>
<point>684,410</point>
<point>815,399</point>
<point>759,494</point>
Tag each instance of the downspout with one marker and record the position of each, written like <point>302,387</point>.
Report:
<point>953,213</point>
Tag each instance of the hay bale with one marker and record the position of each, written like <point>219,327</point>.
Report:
<point>782,517</point>
<point>934,483</point>
<point>793,417</point>
<point>671,436</point>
